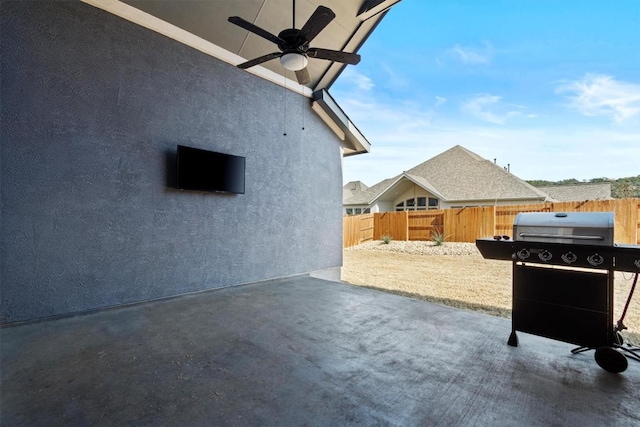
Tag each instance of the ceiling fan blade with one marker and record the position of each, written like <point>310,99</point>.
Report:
<point>316,23</point>
<point>259,60</point>
<point>334,55</point>
<point>255,29</point>
<point>303,76</point>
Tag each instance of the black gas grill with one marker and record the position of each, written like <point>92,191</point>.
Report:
<point>563,280</point>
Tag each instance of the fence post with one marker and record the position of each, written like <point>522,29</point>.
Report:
<point>495,220</point>
<point>406,225</point>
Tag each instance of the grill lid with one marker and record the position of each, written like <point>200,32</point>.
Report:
<point>587,228</point>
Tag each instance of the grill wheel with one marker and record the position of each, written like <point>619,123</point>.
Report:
<point>611,360</point>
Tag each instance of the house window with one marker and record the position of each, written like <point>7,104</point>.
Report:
<point>422,203</point>
<point>418,204</point>
<point>357,211</point>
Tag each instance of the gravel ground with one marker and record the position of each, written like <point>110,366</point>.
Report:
<point>418,248</point>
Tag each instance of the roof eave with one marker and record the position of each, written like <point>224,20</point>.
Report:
<point>353,142</point>
<point>493,199</point>
<point>387,188</point>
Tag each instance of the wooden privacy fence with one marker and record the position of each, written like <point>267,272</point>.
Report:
<point>469,224</point>
<point>356,229</point>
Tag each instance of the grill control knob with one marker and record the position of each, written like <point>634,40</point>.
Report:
<point>545,255</point>
<point>523,254</point>
<point>569,257</point>
<point>595,259</point>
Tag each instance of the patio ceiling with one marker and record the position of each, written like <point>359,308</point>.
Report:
<point>205,23</point>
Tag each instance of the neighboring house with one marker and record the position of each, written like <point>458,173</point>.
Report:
<point>452,179</point>
<point>579,192</point>
<point>96,96</point>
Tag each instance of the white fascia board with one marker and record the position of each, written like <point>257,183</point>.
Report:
<point>462,201</point>
<point>146,20</point>
<point>353,141</point>
<point>328,120</point>
<point>408,177</point>
<point>389,187</point>
<point>372,8</point>
<point>429,188</point>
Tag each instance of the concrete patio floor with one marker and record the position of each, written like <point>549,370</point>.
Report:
<point>301,351</point>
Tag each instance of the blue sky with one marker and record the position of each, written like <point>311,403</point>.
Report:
<point>550,87</point>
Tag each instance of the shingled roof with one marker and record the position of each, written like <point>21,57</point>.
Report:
<point>352,188</point>
<point>353,197</point>
<point>458,175</point>
<point>579,192</point>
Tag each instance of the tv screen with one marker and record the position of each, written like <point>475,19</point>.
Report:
<point>204,170</point>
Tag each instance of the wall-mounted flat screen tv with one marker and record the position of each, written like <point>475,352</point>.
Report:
<point>204,170</point>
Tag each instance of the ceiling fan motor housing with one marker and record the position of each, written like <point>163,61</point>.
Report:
<point>293,41</point>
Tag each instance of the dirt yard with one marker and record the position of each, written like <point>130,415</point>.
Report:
<point>455,274</point>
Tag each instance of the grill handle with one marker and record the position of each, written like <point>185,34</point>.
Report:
<point>561,236</point>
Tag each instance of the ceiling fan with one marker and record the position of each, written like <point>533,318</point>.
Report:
<point>294,44</point>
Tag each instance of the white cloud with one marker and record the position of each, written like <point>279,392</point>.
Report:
<point>381,120</point>
<point>470,55</point>
<point>357,79</point>
<point>404,133</point>
<point>440,100</point>
<point>394,79</point>
<point>602,95</point>
<point>490,108</point>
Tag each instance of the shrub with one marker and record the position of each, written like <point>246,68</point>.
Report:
<point>386,239</point>
<point>438,238</point>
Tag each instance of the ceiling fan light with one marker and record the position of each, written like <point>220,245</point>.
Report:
<point>294,61</point>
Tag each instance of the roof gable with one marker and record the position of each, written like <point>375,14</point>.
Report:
<point>460,174</point>
<point>355,195</point>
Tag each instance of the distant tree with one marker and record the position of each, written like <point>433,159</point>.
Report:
<point>626,187</point>
<point>541,183</point>
<point>568,181</point>
<point>621,188</point>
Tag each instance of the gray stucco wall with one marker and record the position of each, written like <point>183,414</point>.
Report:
<point>92,110</point>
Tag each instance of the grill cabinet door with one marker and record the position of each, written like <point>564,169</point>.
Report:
<point>566,305</point>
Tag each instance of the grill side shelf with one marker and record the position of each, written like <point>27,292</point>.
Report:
<point>627,258</point>
<point>495,249</point>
